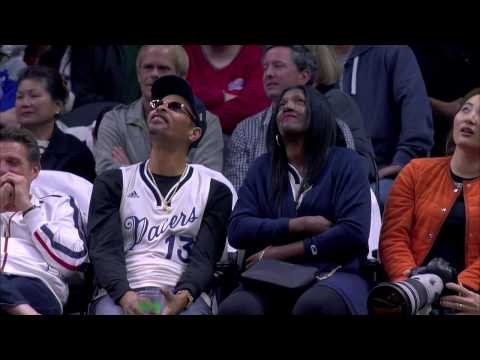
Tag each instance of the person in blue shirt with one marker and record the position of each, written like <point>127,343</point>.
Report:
<point>306,202</point>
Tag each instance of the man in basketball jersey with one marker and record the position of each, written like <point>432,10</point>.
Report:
<point>160,224</point>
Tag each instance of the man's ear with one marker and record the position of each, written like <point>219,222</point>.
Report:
<point>195,134</point>
<point>35,171</point>
<point>305,76</point>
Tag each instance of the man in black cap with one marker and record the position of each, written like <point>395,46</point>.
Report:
<point>157,228</point>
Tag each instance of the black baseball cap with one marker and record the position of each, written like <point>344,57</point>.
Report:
<point>175,85</point>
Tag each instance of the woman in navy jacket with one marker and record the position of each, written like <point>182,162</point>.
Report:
<point>306,202</point>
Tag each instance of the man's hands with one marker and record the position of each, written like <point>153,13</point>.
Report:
<point>174,303</point>
<point>6,197</point>
<point>14,193</point>
<point>130,303</point>
<point>445,109</point>
<point>389,170</point>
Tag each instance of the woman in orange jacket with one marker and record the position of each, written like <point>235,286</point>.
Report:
<point>433,211</point>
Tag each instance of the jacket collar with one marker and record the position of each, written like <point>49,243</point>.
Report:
<point>449,170</point>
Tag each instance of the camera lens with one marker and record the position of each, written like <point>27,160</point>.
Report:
<point>404,297</point>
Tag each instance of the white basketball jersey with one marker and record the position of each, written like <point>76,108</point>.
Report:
<point>159,232</point>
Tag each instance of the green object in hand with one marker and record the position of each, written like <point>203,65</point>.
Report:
<point>151,308</point>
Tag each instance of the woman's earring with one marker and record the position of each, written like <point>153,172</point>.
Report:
<point>278,141</point>
<point>57,115</point>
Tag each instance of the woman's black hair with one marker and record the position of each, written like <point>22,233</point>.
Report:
<point>319,138</point>
<point>54,83</point>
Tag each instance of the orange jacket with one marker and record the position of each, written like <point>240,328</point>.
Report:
<point>420,200</point>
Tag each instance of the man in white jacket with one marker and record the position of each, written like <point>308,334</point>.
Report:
<point>41,238</point>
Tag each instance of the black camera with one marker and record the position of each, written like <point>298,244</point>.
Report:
<point>418,292</point>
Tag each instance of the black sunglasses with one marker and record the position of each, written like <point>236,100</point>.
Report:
<point>175,106</point>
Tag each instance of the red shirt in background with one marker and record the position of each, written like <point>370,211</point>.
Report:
<point>243,77</point>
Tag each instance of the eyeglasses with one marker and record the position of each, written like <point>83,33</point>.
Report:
<point>175,106</point>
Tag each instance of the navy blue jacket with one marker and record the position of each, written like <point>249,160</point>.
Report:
<point>387,84</point>
<point>341,193</point>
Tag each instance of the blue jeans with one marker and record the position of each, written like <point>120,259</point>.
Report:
<point>17,290</point>
<point>106,306</point>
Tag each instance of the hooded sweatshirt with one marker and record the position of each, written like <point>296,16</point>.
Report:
<point>388,87</point>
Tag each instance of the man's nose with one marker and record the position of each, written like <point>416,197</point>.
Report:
<point>268,73</point>
<point>155,74</point>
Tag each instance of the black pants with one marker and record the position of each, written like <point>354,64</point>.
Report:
<point>316,300</point>
<point>18,290</point>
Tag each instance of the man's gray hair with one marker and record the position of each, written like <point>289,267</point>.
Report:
<point>302,58</point>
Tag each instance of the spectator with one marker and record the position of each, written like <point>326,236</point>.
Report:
<point>123,134</point>
<point>11,60</point>
<point>11,64</point>
<point>306,202</point>
<point>40,99</point>
<point>284,66</point>
<point>433,208</point>
<point>344,107</point>
<point>41,237</point>
<point>228,79</point>
<point>104,73</point>
<point>449,71</point>
<point>182,208</point>
<point>387,85</point>
<point>59,57</point>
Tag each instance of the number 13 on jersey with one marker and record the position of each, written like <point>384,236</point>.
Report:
<point>179,247</point>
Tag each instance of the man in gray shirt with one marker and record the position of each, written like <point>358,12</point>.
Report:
<point>123,137</point>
